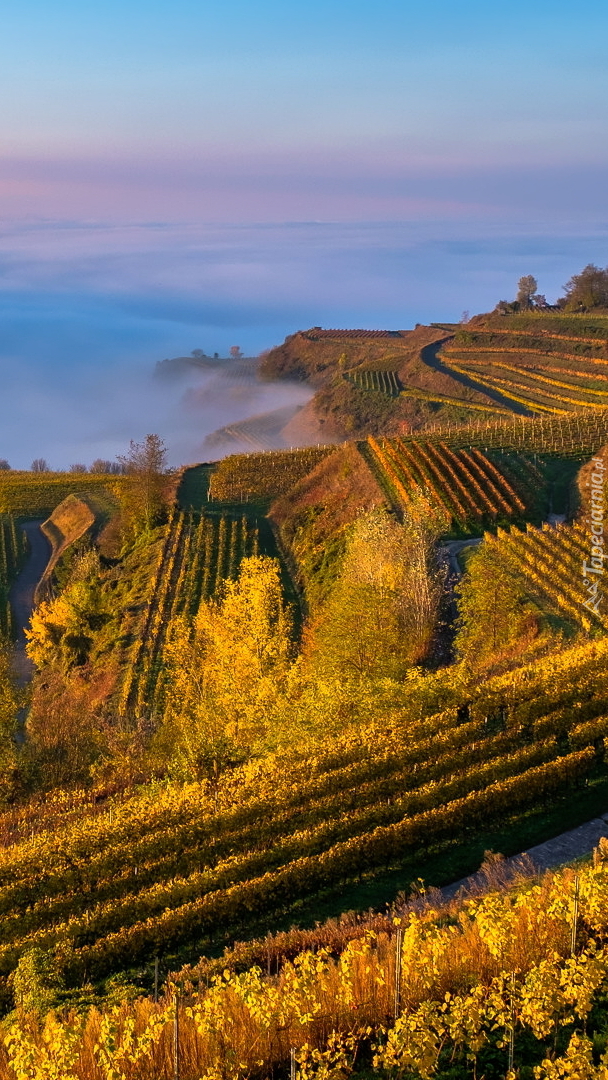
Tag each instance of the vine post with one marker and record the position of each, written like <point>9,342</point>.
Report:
<point>176,1034</point>
<point>511,1048</point>
<point>398,964</point>
<point>575,915</point>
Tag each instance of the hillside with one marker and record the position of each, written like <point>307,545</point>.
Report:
<point>392,382</point>
<point>290,685</point>
<point>543,363</point>
<point>374,804</point>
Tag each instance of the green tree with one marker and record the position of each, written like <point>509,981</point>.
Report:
<point>495,616</point>
<point>526,290</point>
<point>62,631</point>
<point>587,290</point>
<point>380,616</point>
<point>37,981</point>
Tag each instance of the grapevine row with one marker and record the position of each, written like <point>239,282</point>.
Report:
<point>505,973</point>
<point>243,477</point>
<point>552,559</point>
<point>465,484</point>
<point>12,553</point>
<point>198,553</point>
<point>233,907</point>
<point>528,373</point>
<point>384,382</point>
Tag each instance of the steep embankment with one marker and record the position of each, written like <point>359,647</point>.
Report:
<point>68,523</point>
<point>314,516</point>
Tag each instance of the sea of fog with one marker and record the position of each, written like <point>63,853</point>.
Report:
<point>87,310</point>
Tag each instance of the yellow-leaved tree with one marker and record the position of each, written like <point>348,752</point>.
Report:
<point>227,672</point>
<point>497,619</point>
<point>380,616</point>
<point>62,631</point>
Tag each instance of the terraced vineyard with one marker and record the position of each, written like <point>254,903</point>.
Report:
<point>457,403</point>
<point>197,553</point>
<point>465,484</point>
<point>172,869</point>
<point>545,365</point>
<point>27,494</point>
<point>262,432</point>
<point>578,435</point>
<point>12,552</point>
<point>245,477</point>
<point>384,382</point>
<point>551,559</point>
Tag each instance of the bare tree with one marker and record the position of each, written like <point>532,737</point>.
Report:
<point>145,462</point>
<point>77,468</point>
<point>109,468</point>
<point>4,465</point>
<point>40,464</point>
<point>235,352</point>
<point>526,290</point>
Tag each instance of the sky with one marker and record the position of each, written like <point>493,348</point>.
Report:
<point>201,174</point>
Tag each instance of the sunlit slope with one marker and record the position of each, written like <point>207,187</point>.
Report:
<point>377,382</point>
<point>549,562</point>
<point>542,363</point>
<point>390,382</point>
<point>509,983</point>
<point>27,494</point>
<point>183,562</point>
<point>176,868</point>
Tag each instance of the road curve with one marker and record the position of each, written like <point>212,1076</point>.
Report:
<point>21,595</point>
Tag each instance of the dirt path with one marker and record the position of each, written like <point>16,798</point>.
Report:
<point>546,856</point>
<point>21,595</point>
<point>443,646</point>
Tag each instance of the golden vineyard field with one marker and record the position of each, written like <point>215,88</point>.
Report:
<point>303,685</point>
<point>495,985</point>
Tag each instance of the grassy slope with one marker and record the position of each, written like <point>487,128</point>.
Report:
<point>314,517</point>
<point>31,495</point>
<point>342,823</point>
<point>68,523</point>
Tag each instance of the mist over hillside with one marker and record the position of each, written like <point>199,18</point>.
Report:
<point>88,309</point>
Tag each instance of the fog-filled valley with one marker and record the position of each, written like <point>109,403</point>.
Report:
<point>88,310</point>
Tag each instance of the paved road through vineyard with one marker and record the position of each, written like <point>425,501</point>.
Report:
<point>21,595</point>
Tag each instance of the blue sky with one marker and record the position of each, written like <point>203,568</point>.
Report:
<point>124,103</point>
<point>188,174</point>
